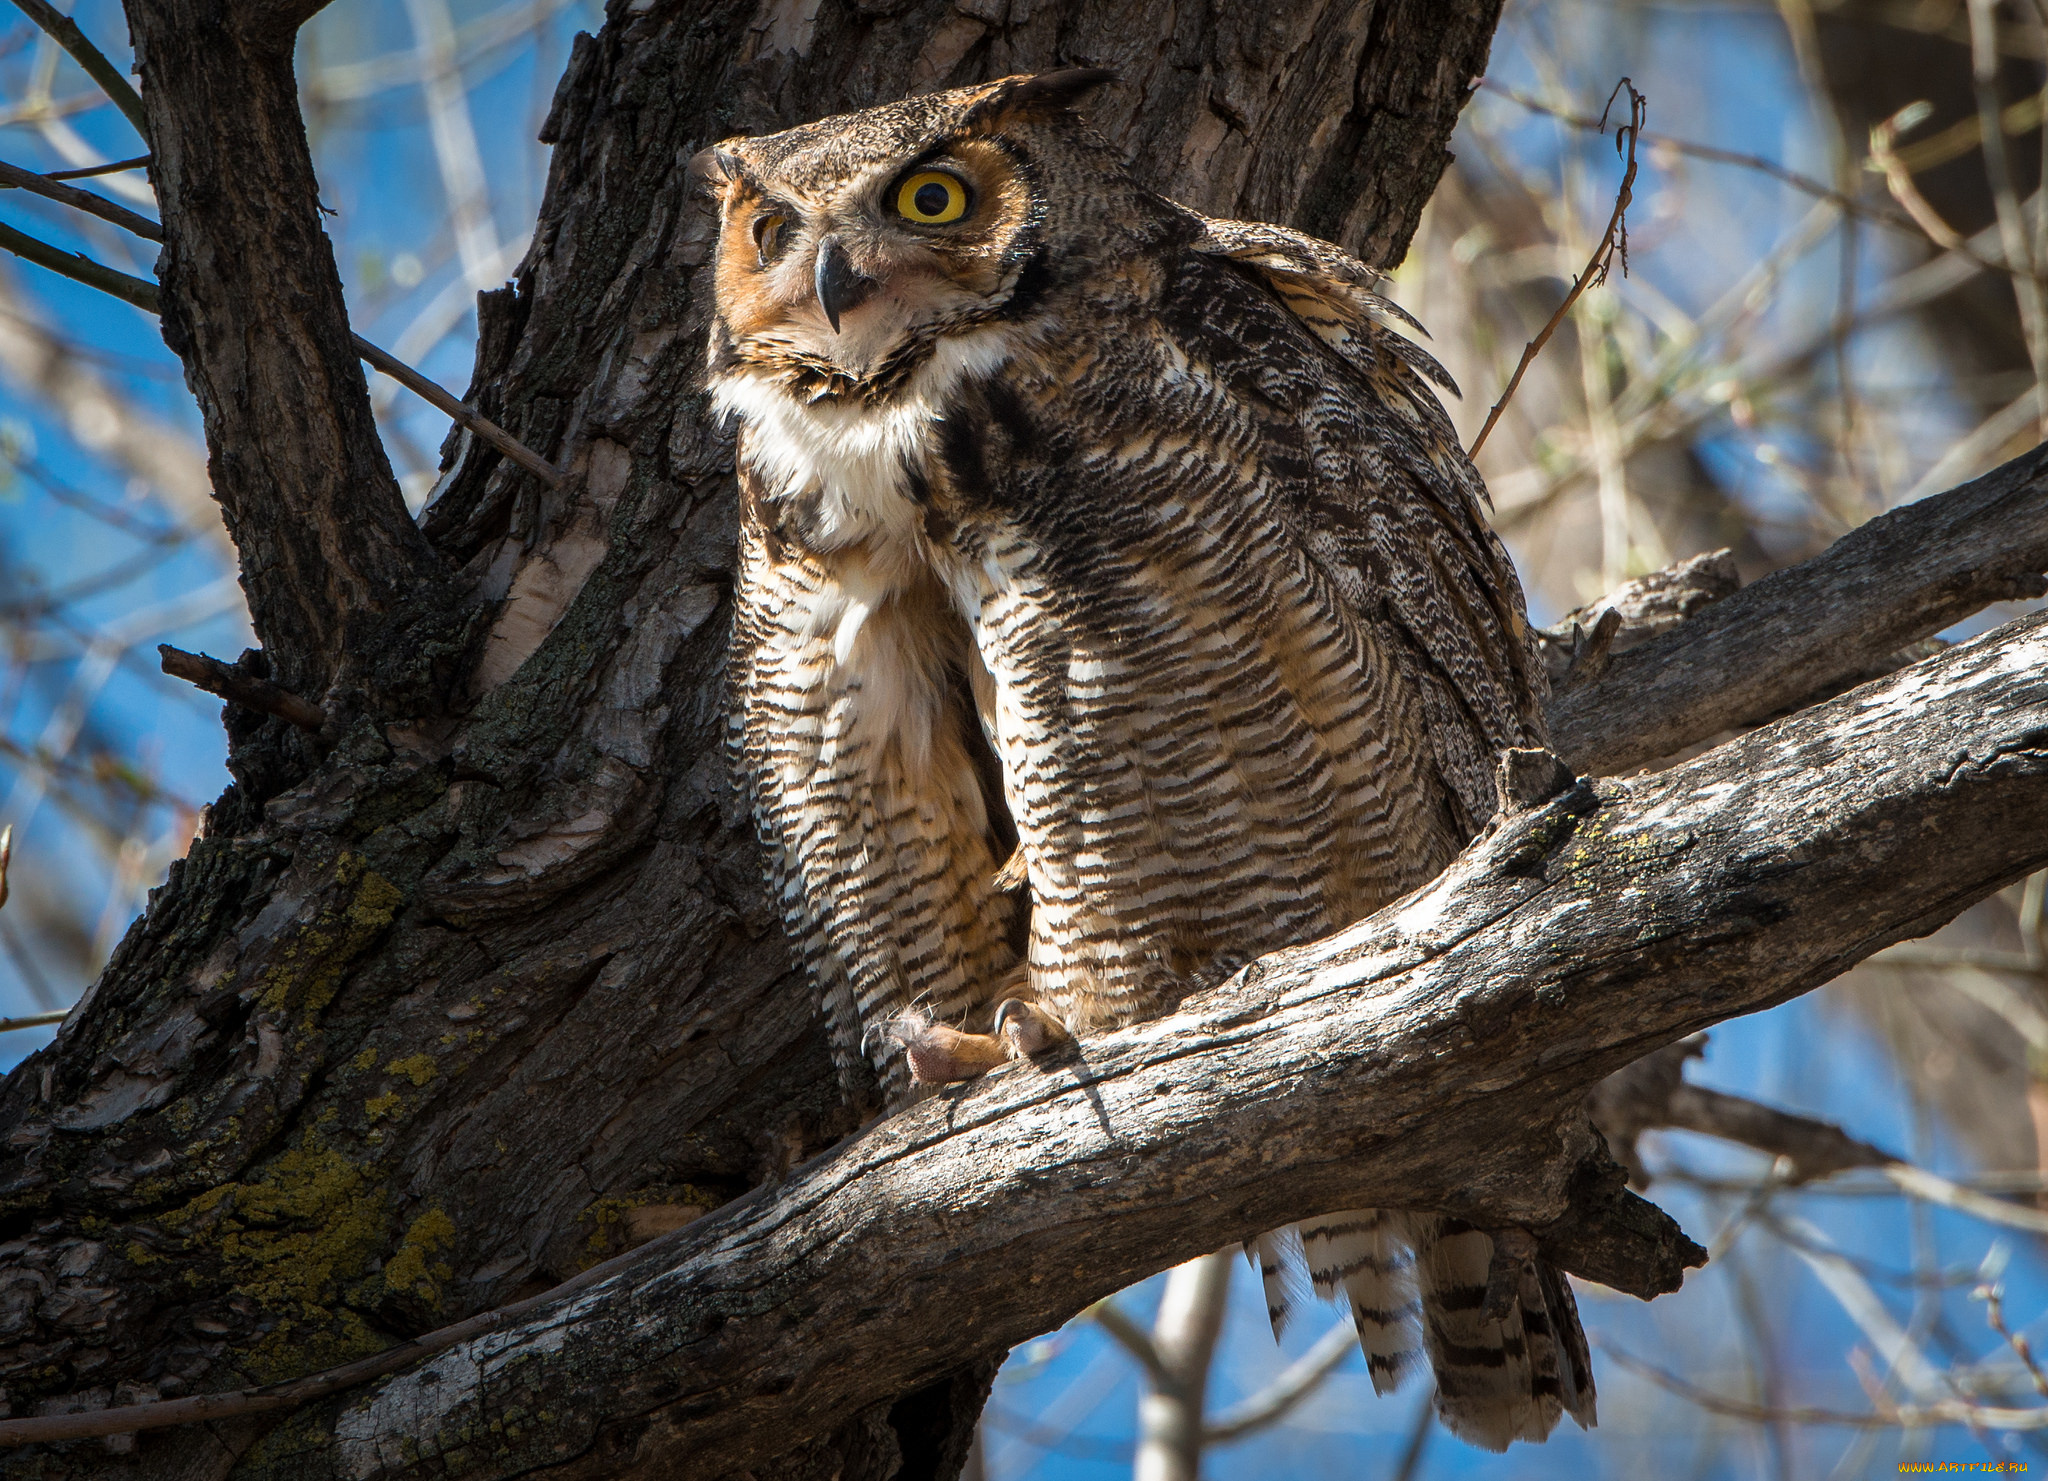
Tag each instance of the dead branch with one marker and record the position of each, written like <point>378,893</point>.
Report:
<point>1651,1094</point>
<point>1576,936</point>
<point>34,1020</point>
<point>1800,631</point>
<point>1613,245</point>
<point>239,687</point>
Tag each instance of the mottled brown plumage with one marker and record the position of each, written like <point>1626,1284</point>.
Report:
<point>1116,604</point>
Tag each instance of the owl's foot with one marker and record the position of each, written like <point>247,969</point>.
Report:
<point>1027,1029</point>
<point>939,1055</point>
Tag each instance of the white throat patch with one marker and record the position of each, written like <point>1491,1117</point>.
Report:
<point>852,456</point>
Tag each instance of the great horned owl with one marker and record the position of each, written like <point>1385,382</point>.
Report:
<point>1115,604</point>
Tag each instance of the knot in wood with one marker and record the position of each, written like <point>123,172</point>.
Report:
<point>1529,777</point>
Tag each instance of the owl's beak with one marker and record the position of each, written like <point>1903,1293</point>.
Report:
<point>841,285</point>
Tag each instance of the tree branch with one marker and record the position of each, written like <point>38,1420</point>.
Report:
<point>1278,1399</point>
<point>244,689</point>
<point>64,31</point>
<point>14,177</point>
<point>252,304</point>
<point>1801,631</point>
<point>1378,1066</point>
<point>1652,1094</point>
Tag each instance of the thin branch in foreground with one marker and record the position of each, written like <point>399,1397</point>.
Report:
<point>111,167</point>
<point>1613,244</point>
<point>16,178</point>
<point>483,427</point>
<point>64,31</point>
<point>34,1020</point>
<point>244,689</point>
<point>1899,180</point>
<point>1652,1094</point>
<point>6,858</point>
<point>80,269</point>
<point>143,295</point>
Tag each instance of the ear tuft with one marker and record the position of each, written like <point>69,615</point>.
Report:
<point>713,169</point>
<point>1059,89</point>
<point>1043,91</point>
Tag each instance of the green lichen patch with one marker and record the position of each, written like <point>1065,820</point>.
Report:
<point>418,1068</point>
<point>414,1271</point>
<point>309,963</point>
<point>290,1240</point>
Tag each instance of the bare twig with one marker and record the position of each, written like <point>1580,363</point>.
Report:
<point>143,295</point>
<point>1279,1398</point>
<point>1131,1337</point>
<point>64,31</point>
<point>1652,1093</point>
<point>1916,1416</point>
<point>80,269</point>
<point>1419,1431</point>
<point>485,429</point>
<point>15,177</point>
<point>1805,184</point>
<point>1613,244</point>
<point>1899,180</point>
<point>244,689</point>
<point>2012,227</point>
<point>1992,1294</point>
<point>34,1020</point>
<point>6,858</point>
<point>111,167</point>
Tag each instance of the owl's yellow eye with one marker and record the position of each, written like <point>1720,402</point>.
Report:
<point>768,234</point>
<point>931,198</point>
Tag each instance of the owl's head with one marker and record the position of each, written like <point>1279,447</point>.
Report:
<point>850,249</point>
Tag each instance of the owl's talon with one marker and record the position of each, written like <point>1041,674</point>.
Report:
<point>1027,1028</point>
<point>939,1055</point>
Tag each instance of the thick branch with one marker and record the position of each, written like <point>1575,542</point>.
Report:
<point>1800,631</point>
<point>1378,1066</point>
<point>252,304</point>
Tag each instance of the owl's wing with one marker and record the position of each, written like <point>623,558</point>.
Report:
<point>1410,520</point>
<point>1328,289</point>
<point>874,794</point>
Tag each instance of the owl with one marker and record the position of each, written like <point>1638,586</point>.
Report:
<point>1115,604</point>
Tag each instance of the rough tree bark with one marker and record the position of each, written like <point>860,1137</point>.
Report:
<point>482,986</point>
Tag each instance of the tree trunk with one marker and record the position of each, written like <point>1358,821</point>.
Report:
<point>481,985</point>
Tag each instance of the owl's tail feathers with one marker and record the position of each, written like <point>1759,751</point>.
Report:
<point>1365,1253</point>
<point>1277,1256</point>
<point>1504,1377</point>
